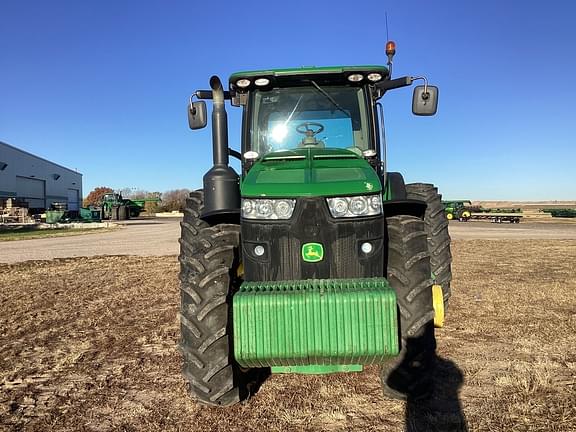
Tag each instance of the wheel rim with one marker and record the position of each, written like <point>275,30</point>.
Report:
<point>438,304</point>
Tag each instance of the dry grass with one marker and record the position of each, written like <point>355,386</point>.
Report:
<point>520,341</point>
<point>90,344</point>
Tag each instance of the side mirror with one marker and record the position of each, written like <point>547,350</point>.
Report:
<point>425,103</point>
<point>197,118</point>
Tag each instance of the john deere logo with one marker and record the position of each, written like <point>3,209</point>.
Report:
<point>312,252</point>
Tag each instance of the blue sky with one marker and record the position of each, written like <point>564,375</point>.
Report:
<point>102,86</point>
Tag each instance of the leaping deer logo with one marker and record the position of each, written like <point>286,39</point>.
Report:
<point>312,252</point>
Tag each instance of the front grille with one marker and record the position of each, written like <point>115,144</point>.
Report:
<point>312,222</point>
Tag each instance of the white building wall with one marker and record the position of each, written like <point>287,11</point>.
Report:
<point>37,180</point>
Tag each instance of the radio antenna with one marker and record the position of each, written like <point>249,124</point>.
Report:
<point>386,17</point>
<point>390,47</point>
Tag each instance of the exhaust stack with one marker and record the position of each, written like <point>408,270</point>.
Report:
<point>221,183</point>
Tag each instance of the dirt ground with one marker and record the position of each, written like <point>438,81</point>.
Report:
<point>90,344</point>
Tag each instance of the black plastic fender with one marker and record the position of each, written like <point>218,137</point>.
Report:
<point>395,182</point>
<point>404,207</point>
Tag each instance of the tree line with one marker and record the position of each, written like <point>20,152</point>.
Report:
<point>172,200</point>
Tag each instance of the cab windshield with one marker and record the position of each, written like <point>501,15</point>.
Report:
<point>308,117</point>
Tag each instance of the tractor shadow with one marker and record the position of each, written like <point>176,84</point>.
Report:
<point>442,411</point>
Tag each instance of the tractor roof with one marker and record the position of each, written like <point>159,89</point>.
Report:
<point>326,73</point>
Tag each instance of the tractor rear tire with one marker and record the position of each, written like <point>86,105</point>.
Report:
<point>409,375</point>
<point>209,261</point>
<point>438,235</point>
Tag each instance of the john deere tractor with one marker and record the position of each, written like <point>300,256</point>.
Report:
<point>314,259</point>
<point>459,209</point>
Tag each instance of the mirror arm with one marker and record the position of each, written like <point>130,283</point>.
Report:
<point>193,112</point>
<point>401,82</point>
<point>207,94</point>
<point>425,83</point>
<point>191,104</point>
<point>395,83</point>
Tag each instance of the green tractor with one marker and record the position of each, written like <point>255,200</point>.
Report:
<point>113,206</point>
<point>314,259</point>
<point>458,209</point>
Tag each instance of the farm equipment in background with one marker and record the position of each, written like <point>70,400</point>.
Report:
<point>13,210</point>
<point>58,213</point>
<point>138,205</point>
<point>89,215</point>
<point>457,209</point>
<point>561,212</point>
<point>111,207</point>
<point>114,207</point>
<point>498,215</point>
<point>463,211</point>
<point>302,263</point>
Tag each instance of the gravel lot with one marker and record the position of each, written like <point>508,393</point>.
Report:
<point>159,237</point>
<point>140,237</point>
<point>546,230</point>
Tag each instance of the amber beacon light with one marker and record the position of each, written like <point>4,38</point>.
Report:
<point>390,48</point>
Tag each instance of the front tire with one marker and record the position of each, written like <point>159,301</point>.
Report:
<point>409,375</point>
<point>209,261</point>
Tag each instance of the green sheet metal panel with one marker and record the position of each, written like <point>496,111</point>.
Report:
<point>317,369</point>
<point>314,322</point>
<point>310,172</point>
<point>54,216</point>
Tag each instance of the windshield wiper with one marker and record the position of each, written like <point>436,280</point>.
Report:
<point>330,98</point>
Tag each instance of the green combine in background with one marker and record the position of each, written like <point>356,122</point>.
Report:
<point>314,259</point>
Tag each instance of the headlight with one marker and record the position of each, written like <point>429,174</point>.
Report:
<point>355,206</point>
<point>268,209</point>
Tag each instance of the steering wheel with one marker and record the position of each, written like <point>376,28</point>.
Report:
<point>304,129</point>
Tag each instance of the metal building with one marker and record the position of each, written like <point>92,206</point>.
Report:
<point>37,181</point>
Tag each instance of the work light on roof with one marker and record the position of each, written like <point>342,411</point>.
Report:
<point>374,76</point>
<point>243,83</point>
<point>369,153</point>
<point>251,155</point>
<point>262,82</point>
<point>355,77</point>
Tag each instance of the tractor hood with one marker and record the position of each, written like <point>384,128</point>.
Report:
<point>310,172</point>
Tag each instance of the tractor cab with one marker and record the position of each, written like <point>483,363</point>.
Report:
<point>310,108</point>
